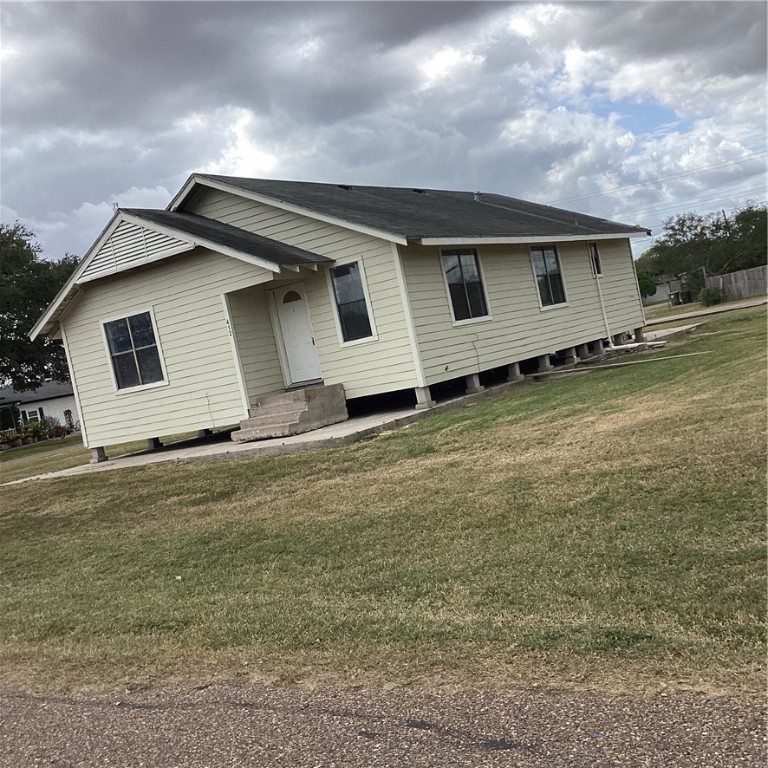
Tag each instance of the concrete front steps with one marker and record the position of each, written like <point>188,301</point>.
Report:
<point>290,413</point>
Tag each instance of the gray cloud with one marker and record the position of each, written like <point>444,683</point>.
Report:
<point>121,101</point>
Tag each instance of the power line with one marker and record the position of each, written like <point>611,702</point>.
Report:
<point>705,199</point>
<point>661,224</point>
<point>679,175</point>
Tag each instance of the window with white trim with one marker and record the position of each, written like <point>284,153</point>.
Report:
<point>465,284</point>
<point>549,278</point>
<point>32,415</point>
<point>594,255</point>
<point>351,304</point>
<point>133,351</point>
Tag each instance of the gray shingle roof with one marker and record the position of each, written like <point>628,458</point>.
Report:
<point>229,236</point>
<point>46,391</point>
<point>421,213</point>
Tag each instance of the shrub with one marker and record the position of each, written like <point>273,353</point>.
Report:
<point>33,430</point>
<point>48,427</point>
<point>710,296</point>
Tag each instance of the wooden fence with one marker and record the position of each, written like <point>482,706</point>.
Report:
<point>741,285</point>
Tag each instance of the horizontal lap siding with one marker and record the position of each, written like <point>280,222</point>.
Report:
<point>255,342</point>
<point>185,296</point>
<point>381,365</point>
<point>519,328</point>
<point>621,296</point>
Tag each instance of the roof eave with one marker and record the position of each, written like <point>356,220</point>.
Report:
<point>520,239</point>
<point>55,309</point>
<point>47,320</point>
<point>204,242</point>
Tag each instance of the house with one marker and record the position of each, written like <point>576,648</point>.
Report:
<point>195,316</point>
<point>53,399</point>
<point>665,285</point>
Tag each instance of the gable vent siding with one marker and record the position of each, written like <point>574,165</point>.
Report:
<point>129,246</point>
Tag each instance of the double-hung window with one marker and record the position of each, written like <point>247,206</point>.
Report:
<point>549,278</point>
<point>465,284</point>
<point>133,351</point>
<point>32,415</point>
<point>351,303</point>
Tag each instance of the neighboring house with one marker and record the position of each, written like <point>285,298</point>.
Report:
<point>665,284</point>
<point>183,319</point>
<point>50,400</point>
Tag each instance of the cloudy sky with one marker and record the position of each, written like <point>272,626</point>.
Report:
<point>632,111</point>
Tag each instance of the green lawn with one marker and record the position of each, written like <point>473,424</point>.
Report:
<point>602,531</point>
<point>54,455</point>
<point>655,311</point>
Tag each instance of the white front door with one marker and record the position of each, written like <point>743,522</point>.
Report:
<point>296,330</point>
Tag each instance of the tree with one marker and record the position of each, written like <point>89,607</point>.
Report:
<point>714,242</point>
<point>28,284</point>
<point>646,284</point>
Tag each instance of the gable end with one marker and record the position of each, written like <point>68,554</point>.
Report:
<point>131,245</point>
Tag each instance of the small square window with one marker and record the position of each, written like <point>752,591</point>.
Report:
<point>133,351</point>
<point>465,284</point>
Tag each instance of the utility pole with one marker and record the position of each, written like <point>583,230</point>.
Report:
<point>727,225</point>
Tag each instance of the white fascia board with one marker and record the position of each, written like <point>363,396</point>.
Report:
<point>276,203</point>
<point>194,240</point>
<point>183,193</point>
<point>64,294</point>
<point>523,239</point>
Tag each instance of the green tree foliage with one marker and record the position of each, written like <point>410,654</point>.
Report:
<point>716,242</point>
<point>646,284</point>
<point>28,284</point>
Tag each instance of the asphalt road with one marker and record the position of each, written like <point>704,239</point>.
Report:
<point>223,725</point>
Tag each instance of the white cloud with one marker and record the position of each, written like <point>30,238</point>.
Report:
<point>446,64</point>
<point>243,155</point>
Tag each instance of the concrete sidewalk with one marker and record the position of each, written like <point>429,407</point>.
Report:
<point>346,432</point>
<point>716,310</point>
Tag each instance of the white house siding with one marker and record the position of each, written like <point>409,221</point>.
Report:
<point>255,341</point>
<point>381,365</point>
<point>54,408</point>
<point>621,294</point>
<point>203,387</point>
<point>519,328</point>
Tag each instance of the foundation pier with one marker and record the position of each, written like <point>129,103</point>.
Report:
<point>98,455</point>
<point>513,372</point>
<point>571,358</point>
<point>473,384</point>
<point>423,398</point>
<point>545,364</point>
